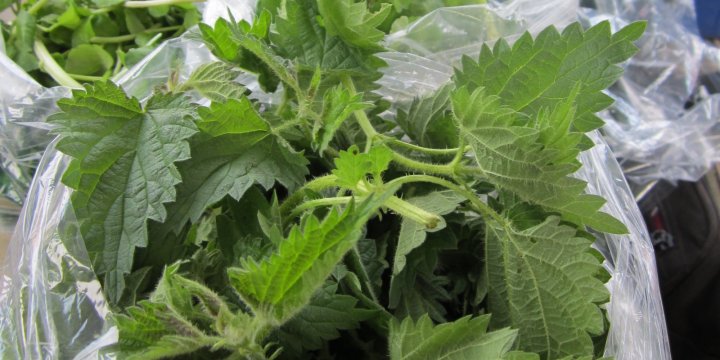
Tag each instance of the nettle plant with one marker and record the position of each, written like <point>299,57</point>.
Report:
<point>318,226</point>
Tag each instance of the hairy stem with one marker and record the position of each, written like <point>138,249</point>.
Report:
<point>360,115</point>
<point>430,151</point>
<point>478,205</point>
<point>358,268</point>
<point>311,204</point>
<point>410,211</point>
<point>423,167</point>
<point>297,197</point>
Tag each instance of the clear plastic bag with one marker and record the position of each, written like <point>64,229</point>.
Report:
<point>651,126</point>
<point>51,305</point>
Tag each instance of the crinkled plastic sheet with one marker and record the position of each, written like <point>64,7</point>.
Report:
<point>22,101</point>
<point>650,127</point>
<point>51,305</point>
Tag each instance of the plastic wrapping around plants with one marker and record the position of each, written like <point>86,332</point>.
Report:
<point>663,126</point>
<point>51,304</point>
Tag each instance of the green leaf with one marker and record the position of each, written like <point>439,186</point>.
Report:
<point>83,33</point>
<point>158,11</point>
<point>86,59</point>
<point>338,105</point>
<point>148,332</point>
<point>135,55</point>
<point>234,150</point>
<point>537,74</point>
<point>68,19</point>
<point>351,166</point>
<point>246,46</point>
<point>21,48</point>
<point>220,40</point>
<point>429,120</point>
<point>418,290</point>
<point>215,81</point>
<point>133,22</point>
<point>280,286</point>
<point>353,22</point>
<point>413,234</point>
<point>122,169</point>
<point>181,317</point>
<point>465,338</point>
<point>302,39</point>
<point>320,321</point>
<point>542,282</point>
<point>512,154</point>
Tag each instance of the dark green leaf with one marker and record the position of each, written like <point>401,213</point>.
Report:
<point>122,170</point>
<point>320,321</point>
<point>542,282</point>
<point>463,339</point>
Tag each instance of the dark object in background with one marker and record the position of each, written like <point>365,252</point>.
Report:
<point>685,228</point>
<point>708,17</point>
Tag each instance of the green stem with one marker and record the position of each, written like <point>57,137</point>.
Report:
<point>384,317</point>
<point>317,184</point>
<point>153,3</point>
<point>87,78</point>
<point>410,211</point>
<point>104,10</point>
<point>311,204</point>
<point>130,37</point>
<point>357,266</point>
<point>360,115</point>
<point>288,124</point>
<point>48,64</point>
<point>404,208</point>
<point>407,162</point>
<point>459,153</point>
<point>36,7</point>
<point>429,151</point>
<point>479,206</point>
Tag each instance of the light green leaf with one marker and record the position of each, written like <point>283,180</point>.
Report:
<point>234,150</point>
<point>123,169</point>
<point>537,74</point>
<point>463,339</point>
<point>351,166</point>
<point>541,282</point>
<point>215,81</point>
<point>338,105</point>
<point>280,286</point>
<point>413,234</point>
<point>353,22</point>
<point>86,59</point>
<point>511,154</point>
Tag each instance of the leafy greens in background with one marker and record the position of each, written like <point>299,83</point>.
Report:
<point>67,42</point>
<point>311,228</point>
